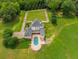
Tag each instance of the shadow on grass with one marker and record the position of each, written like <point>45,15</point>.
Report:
<point>71,17</point>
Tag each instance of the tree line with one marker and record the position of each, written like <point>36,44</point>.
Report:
<point>9,9</point>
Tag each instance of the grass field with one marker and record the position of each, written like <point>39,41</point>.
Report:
<point>61,21</point>
<point>64,46</point>
<point>15,25</point>
<point>18,25</point>
<point>36,14</point>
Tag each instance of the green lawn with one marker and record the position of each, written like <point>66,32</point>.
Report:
<point>36,14</point>
<point>61,21</point>
<point>14,26</point>
<point>64,45</point>
<point>18,25</point>
<point>23,44</point>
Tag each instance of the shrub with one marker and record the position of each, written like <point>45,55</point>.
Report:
<point>7,33</point>
<point>53,4</point>
<point>54,20</point>
<point>5,42</point>
<point>11,42</point>
<point>24,43</point>
<point>9,11</point>
<point>68,8</point>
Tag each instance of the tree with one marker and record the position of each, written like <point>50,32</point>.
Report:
<point>76,4</point>
<point>5,42</point>
<point>7,18</point>
<point>11,42</point>
<point>0,5</point>
<point>53,4</point>
<point>7,33</point>
<point>9,11</point>
<point>68,8</point>
<point>32,4</point>
<point>0,11</point>
<point>54,19</point>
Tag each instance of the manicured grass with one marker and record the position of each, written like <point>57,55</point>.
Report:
<point>61,21</point>
<point>24,43</point>
<point>49,29</point>
<point>18,26</point>
<point>36,14</point>
<point>14,26</point>
<point>64,45</point>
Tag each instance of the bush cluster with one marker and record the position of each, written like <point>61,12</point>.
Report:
<point>14,42</point>
<point>9,41</point>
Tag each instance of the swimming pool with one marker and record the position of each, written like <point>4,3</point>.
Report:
<point>35,41</point>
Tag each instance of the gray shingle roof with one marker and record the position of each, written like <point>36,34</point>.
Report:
<point>42,32</point>
<point>36,23</point>
<point>28,32</point>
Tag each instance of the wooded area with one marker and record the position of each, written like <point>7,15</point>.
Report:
<point>10,9</point>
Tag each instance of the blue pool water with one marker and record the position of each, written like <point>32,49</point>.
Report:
<point>35,41</point>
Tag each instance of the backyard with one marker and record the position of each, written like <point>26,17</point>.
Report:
<point>36,14</point>
<point>63,46</point>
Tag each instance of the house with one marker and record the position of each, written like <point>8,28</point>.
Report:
<point>36,28</point>
<point>36,34</point>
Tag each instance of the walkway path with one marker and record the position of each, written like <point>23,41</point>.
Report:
<point>50,39</point>
<point>47,18</point>
<point>21,33</point>
<point>24,22</point>
<point>56,33</point>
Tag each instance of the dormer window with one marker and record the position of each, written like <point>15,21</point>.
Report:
<point>35,28</point>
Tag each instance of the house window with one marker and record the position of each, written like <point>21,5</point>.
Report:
<point>35,28</point>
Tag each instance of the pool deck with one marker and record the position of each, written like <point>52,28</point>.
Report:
<point>37,47</point>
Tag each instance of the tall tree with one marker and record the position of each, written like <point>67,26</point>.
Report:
<point>68,8</point>
<point>9,11</point>
<point>53,4</point>
<point>11,42</point>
